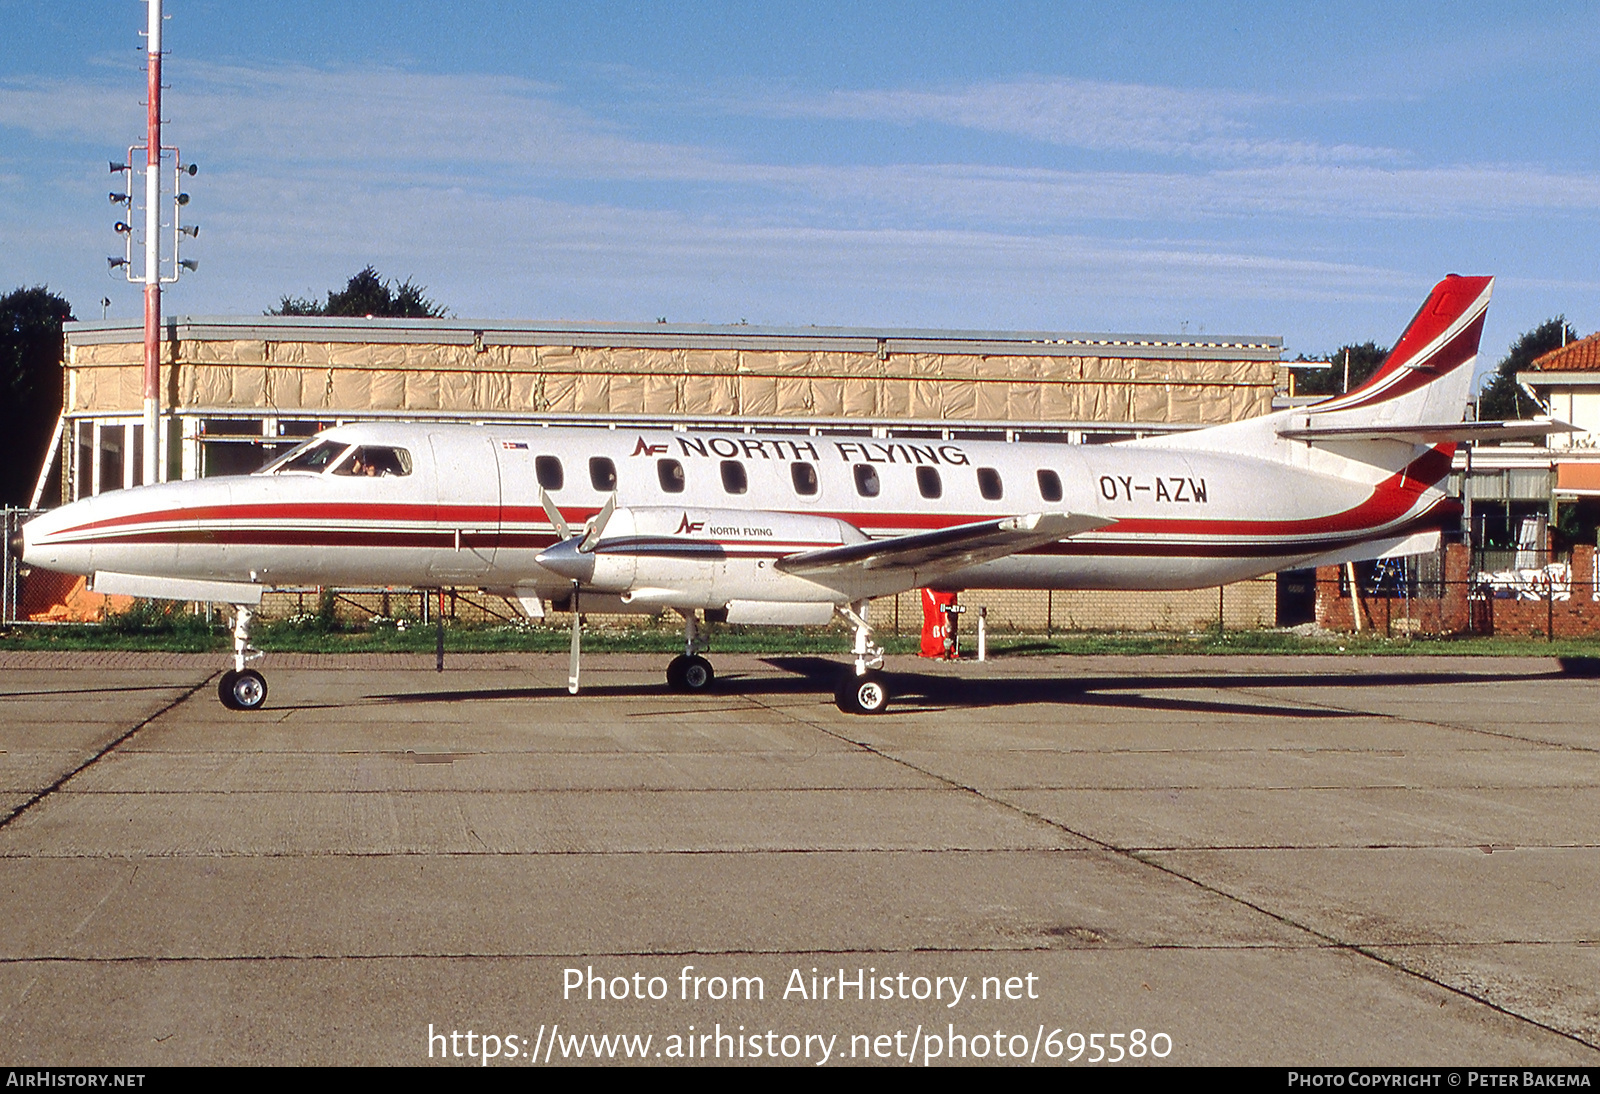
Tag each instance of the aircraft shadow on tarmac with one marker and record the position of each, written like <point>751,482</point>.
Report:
<point>916,691</point>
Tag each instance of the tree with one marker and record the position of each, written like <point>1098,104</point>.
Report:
<point>1364,361</point>
<point>30,385</point>
<point>1503,397</point>
<point>368,295</point>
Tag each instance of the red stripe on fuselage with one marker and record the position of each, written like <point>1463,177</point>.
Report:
<point>1390,500</point>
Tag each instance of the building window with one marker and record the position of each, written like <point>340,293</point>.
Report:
<point>734,479</point>
<point>867,484</point>
<point>1049,485</point>
<point>602,474</point>
<point>805,479</point>
<point>549,473</point>
<point>670,472</point>
<point>989,484</point>
<point>928,482</point>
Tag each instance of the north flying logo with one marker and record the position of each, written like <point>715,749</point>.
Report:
<point>645,449</point>
<point>687,526</point>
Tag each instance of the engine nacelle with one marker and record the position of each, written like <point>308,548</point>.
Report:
<point>666,557</point>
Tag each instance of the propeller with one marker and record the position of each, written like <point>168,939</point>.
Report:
<point>577,639</point>
<point>557,521</point>
<point>573,558</point>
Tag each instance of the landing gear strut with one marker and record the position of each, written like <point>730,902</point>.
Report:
<point>689,671</point>
<point>241,688</point>
<point>862,690</point>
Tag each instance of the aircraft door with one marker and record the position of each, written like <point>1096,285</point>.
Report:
<point>466,513</point>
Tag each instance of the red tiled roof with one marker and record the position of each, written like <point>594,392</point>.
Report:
<point>1580,356</point>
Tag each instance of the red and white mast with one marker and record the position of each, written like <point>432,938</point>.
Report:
<point>152,252</point>
<point>154,274</point>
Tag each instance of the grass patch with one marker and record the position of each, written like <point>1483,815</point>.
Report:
<point>156,626</point>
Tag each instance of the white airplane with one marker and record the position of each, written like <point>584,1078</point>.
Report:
<point>792,530</point>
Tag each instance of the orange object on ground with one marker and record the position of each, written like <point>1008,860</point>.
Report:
<point>49,597</point>
<point>938,639</point>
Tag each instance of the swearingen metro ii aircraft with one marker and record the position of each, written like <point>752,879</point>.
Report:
<point>792,530</point>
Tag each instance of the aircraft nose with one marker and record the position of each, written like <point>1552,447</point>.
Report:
<point>565,559</point>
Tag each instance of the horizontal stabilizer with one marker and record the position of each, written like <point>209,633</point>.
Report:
<point>177,588</point>
<point>1442,433</point>
<point>942,551</point>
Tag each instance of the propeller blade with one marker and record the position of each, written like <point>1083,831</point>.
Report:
<point>556,519</point>
<point>577,626</point>
<point>591,538</point>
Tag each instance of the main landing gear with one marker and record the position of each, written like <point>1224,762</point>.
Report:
<point>241,688</point>
<point>689,671</point>
<point>862,689</point>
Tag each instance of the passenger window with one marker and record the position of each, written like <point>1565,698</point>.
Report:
<point>370,461</point>
<point>928,482</point>
<point>550,475</point>
<point>805,479</point>
<point>734,479</point>
<point>1049,485</point>
<point>602,474</point>
<point>867,484</point>
<point>670,472</point>
<point>989,484</point>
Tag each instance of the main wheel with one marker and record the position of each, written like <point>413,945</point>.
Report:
<point>247,690</point>
<point>698,674</point>
<point>866,694</point>
<point>689,673</point>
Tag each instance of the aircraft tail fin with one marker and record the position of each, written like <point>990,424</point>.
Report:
<point>1421,387</point>
<point>1428,375</point>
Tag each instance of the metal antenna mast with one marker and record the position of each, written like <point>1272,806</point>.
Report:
<point>152,250</point>
<point>152,274</point>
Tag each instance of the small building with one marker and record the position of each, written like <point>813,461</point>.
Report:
<point>1567,382</point>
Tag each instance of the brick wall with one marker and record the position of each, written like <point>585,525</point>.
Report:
<point>1245,605</point>
<point>1458,612</point>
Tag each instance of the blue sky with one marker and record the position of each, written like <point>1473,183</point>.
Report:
<point>1307,170</point>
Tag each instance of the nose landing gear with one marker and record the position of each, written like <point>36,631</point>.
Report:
<point>241,688</point>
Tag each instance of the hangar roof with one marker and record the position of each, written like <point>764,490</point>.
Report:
<point>276,328</point>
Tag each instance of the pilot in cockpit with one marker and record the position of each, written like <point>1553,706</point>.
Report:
<point>373,462</point>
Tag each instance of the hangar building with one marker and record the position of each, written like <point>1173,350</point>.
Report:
<point>237,390</point>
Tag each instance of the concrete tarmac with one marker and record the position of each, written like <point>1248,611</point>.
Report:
<point>1244,860</point>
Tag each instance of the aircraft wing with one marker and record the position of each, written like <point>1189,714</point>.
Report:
<point>914,558</point>
<point>1441,433</point>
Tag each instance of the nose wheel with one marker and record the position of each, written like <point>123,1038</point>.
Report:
<point>245,690</point>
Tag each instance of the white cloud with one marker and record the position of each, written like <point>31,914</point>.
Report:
<point>389,128</point>
<point>1088,114</point>
<point>505,199</point>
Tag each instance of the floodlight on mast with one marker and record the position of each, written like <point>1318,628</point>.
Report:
<point>145,188</point>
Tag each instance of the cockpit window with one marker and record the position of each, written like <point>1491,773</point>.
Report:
<point>372,461</point>
<point>313,456</point>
